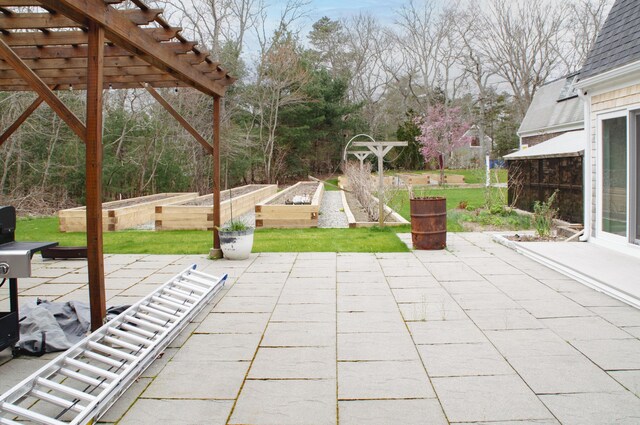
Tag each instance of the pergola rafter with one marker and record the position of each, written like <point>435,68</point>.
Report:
<point>49,45</point>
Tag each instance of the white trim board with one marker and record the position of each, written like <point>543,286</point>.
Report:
<point>619,292</point>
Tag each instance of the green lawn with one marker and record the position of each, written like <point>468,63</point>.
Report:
<point>474,199</point>
<point>331,184</point>
<point>471,176</point>
<point>199,242</point>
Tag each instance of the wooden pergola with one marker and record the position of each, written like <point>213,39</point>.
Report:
<point>92,45</point>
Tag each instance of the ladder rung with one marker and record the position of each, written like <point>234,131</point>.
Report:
<point>171,303</point>
<point>64,389</point>
<point>166,310</point>
<point>5,421</point>
<point>104,359</point>
<point>115,341</point>
<point>138,330</point>
<point>142,322</point>
<point>148,318</point>
<point>197,280</point>
<point>112,351</point>
<point>180,293</point>
<point>177,297</point>
<point>90,368</point>
<point>33,416</point>
<point>76,407</point>
<point>192,288</point>
<point>152,309</point>
<point>82,378</point>
<point>129,336</point>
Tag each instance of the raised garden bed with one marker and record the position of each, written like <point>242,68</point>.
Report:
<point>295,207</point>
<point>123,214</point>
<point>358,217</point>
<point>197,214</point>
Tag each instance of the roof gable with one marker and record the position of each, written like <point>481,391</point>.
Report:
<point>618,42</point>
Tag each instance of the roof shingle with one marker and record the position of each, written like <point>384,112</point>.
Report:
<point>618,42</point>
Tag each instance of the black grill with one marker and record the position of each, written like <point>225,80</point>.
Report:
<point>15,262</point>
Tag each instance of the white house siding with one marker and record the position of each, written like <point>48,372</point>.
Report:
<point>601,103</point>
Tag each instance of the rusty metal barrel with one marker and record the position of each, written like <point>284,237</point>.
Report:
<point>429,223</point>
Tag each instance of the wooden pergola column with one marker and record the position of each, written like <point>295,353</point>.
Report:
<point>216,252</point>
<point>93,160</point>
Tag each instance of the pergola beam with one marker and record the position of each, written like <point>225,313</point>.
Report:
<point>109,71</point>
<point>45,21</point>
<point>56,38</point>
<point>125,33</point>
<point>41,88</point>
<point>19,3</point>
<point>70,52</point>
<point>183,122</point>
<point>106,85</point>
<point>81,63</point>
<point>22,118</point>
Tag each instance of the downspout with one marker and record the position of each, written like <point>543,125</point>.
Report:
<point>587,166</point>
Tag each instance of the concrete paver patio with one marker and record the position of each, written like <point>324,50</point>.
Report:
<point>475,333</point>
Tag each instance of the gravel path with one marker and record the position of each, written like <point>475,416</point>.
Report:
<point>331,211</point>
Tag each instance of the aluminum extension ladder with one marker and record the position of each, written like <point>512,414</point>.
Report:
<point>78,386</point>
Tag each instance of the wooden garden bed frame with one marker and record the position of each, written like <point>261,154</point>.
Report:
<point>200,217</point>
<point>116,218</point>
<point>399,220</point>
<point>283,216</point>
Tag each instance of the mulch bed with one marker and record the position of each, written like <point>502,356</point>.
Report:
<point>206,201</point>
<point>360,214</point>
<point>304,189</point>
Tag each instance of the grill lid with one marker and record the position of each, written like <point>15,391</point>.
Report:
<point>7,224</point>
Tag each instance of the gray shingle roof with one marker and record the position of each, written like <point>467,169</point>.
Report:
<point>546,111</point>
<point>618,42</point>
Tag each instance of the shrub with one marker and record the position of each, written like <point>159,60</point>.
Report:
<point>543,215</point>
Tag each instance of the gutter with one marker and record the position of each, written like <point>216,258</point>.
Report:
<point>586,167</point>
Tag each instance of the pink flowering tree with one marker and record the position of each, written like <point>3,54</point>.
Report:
<point>442,131</point>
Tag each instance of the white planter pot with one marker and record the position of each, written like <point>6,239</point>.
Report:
<point>236,245</point>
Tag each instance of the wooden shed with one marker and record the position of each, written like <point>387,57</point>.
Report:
<point>535,173</point>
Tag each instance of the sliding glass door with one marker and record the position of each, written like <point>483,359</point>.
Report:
<point>614,176</point>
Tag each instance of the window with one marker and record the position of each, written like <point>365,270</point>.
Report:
<point>614,176</point>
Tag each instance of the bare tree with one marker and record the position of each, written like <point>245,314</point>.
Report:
<point>368,49</point>
<point>585,19</point>
<point>521,40</point>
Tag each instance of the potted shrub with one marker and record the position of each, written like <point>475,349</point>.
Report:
<point>441,131</point>
<point>236,240</point>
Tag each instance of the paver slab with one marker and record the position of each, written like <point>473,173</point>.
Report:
<point>286,402</point>
<point>488,398</point>
<point>383,380</point>
<point>385,412</point>
<point>463,360</point>
<point>594,408</point>
<point>171,412</point>
<point>294,363</point>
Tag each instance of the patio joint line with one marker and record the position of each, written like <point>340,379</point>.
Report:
<point>255,353</point>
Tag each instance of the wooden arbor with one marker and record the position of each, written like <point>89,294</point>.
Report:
<point>48,45</point>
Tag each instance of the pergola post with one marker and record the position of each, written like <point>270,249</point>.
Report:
<point>216,252</point>
<point>94,174</point>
